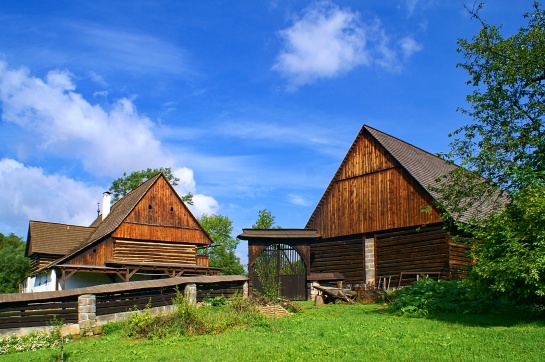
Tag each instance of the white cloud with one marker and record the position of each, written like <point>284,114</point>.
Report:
<point>28,193</point>
<point>109,49</point>
<point>203,204</point>
<point>106,141</point>
<point>61,122</point>
<point>187,182</point>
<point>327,41</point>
<point>324,42</point>
<point>297,200</point>
<point>409,46</point>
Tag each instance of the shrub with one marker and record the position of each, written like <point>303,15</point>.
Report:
<point>31,342</point>
<point>427,296</point>
<point>188,319</point>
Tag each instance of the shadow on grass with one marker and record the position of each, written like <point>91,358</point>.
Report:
<point>505,318</point>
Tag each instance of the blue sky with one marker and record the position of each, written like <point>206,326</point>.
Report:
<point>253,104</point>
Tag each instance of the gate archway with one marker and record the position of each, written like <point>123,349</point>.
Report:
<point>287,254</point>
<point>284,267</point>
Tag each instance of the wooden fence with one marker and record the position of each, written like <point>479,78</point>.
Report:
<point>40,309</point>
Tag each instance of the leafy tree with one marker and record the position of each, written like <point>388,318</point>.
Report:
<point>14,266</point>
<point>123,185</point>
<point>511,249</point>
<point>265,267</point>
<point>502,154</point>
<point>222,253</point>
<point>265,220</point>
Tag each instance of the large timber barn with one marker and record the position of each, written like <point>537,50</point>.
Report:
<point>375,223</point>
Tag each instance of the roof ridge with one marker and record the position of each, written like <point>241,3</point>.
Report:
<point>400,140</point>
<point>57,223</point>
<point>115,217</point>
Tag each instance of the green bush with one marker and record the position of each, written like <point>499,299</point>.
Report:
<point>189,319</point>
<point>427,296</point>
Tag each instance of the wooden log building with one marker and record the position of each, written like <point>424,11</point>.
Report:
<point>376,222</point>
<point>148,234</point>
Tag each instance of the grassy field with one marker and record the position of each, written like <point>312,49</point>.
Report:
<point>330,332</point>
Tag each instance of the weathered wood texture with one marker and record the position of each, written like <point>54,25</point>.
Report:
<point>129,300</point>
<point>215,290</point>
<point>412,250</point>
<point>33,314</point>
<point>345,256</point>
<point>371,192</point>
<point>96,254</point>
<point>38,260</point>
<point>460,259</point>
<point>202,260</point>
<point>128,250</point>
<point>41,311</point>
<point>162,216</point>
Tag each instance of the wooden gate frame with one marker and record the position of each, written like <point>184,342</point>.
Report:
<point>259,239</point>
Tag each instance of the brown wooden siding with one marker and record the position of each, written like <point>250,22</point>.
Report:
<point>140,251</point>
<point>202,260</point>
<point>460,260</point>
<point>162,215</point>
<point>371,192</point>
<point>133,231</point>
<point>95,255</point>
<point>343,256</point>
<point>412,250</point>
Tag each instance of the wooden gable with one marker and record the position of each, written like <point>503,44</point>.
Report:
<point>161,215</point>
<point>150,224</point>
<point>371,191</point>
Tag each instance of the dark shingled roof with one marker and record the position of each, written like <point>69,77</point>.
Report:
<point>426,168</point>
<point>55,239</point>
<point>423,166</point>
<point>248,234</point>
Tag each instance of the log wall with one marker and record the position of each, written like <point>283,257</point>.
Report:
<point>139,251</point>
<point>345,256</point>
<point>38,261</point>
<point>460,260</point>
<point>412,250</point>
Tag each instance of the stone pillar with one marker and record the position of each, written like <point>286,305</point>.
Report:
<point>190,292</point>
<point>86,312</point>
<point>245,290</point>
<point>369,261</point>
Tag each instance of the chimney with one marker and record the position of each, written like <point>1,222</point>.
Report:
<point>106,200</point>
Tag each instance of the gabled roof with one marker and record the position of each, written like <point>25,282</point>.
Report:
<point>55,239</point>
<point>423,166</point>
<point>120,210</point>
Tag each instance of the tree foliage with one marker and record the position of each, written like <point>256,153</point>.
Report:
<point>510,253</point>
<point>502,154</point>
<point>14,266</point>
<point>265,220</point>
<point>222,253</point>
<point>123,185</point>
<point>505,143</point>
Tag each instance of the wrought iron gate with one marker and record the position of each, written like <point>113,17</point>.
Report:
<point>283,265</point>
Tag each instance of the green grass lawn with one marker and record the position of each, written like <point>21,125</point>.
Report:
<point>330,332</point>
